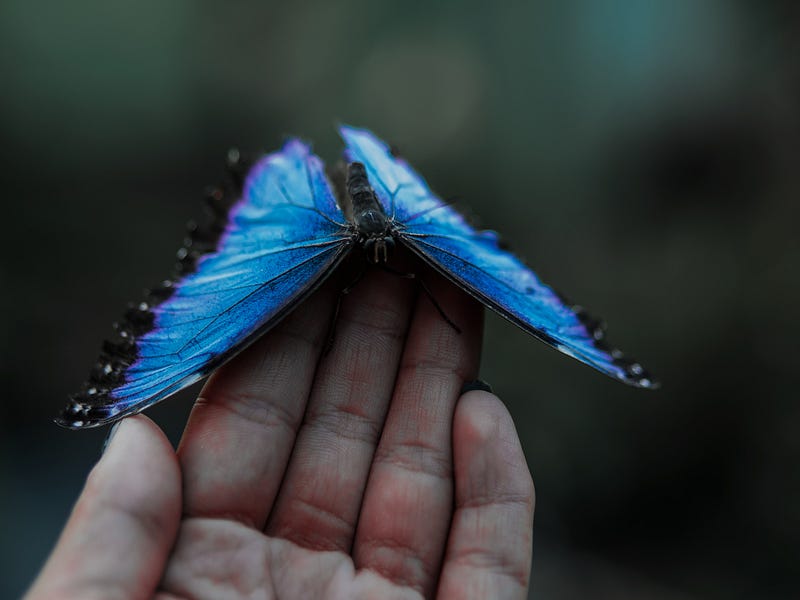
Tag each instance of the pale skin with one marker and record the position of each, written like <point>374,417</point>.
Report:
<point>366,474</point>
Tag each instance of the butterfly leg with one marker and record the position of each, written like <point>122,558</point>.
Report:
<point>436,305</point>
<point>427,291</point>
<point>335,317</point>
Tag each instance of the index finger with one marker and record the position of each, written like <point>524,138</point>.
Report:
<point>124,524</point>
<point>242,428</point>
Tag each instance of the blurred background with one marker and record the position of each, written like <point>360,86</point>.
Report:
<point>642,155</point>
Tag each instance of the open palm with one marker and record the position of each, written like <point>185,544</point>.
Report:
<point>363,473</point>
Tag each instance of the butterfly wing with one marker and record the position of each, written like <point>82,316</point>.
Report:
<point>276,244</point>
<point>475,262</point>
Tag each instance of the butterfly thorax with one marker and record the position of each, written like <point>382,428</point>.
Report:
<point>372,226</point>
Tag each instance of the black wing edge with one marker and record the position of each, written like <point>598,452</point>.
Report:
<point>108,372</point>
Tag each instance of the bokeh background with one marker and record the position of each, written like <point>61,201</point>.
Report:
<point>641,154</point>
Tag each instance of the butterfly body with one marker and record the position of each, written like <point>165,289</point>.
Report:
<point>375,229</point>
<point>285,233</point>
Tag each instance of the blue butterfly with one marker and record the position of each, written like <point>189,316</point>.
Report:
<point>278,242</point>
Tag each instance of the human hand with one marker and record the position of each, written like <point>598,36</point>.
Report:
<point>363,474</point>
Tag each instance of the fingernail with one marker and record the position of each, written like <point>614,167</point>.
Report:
<point>111,433</point>
<point>476,384</point>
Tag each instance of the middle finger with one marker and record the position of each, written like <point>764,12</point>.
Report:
<point>321,495</point>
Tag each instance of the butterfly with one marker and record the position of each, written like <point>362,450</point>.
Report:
<point>287,230</point>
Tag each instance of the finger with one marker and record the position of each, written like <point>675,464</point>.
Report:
<point>240,434</point>
<point>117,540</point>
<point>408,503</point>
<point>321,494</point>
<point>489,549</point>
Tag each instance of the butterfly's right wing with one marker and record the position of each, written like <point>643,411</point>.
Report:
<point>475,261</point>
<point>278,243</point>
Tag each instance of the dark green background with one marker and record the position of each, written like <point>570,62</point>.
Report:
<point>642,155</point>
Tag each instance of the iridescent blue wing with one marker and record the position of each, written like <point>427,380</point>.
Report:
<point>276,244</point>
<point>474,261</point>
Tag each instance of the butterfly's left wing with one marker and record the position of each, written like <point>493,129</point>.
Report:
<point>475,261</point>
<point>277,243</point>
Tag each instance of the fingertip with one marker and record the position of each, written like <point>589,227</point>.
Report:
<point>136,443</point>
<point>481,416</point>
<point>139,466</point>
<point>487,449</point>
<point>480,393</point>
<point>137,429</point>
